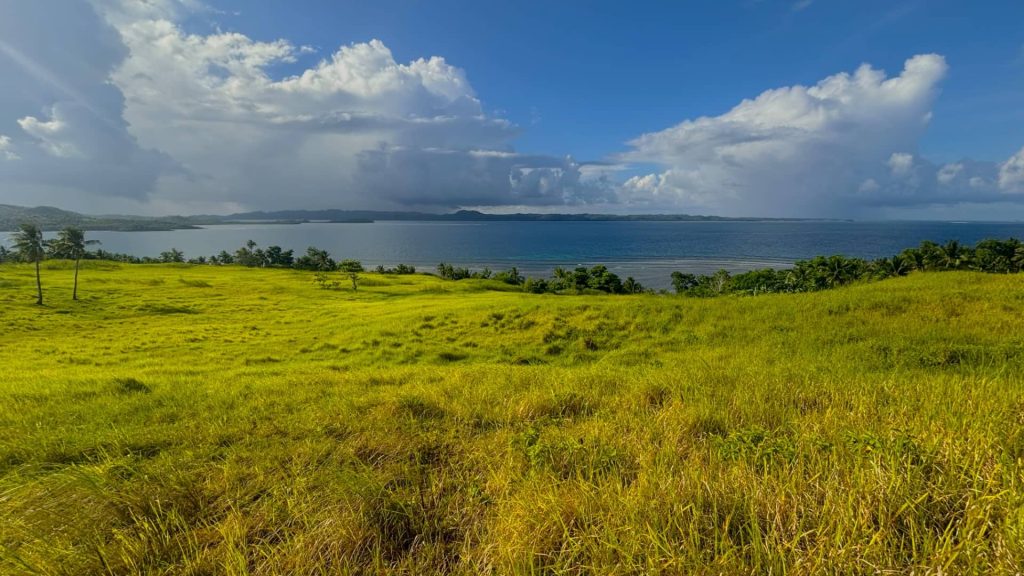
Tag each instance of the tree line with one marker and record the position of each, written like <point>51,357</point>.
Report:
<point>824,272</point>
<point>580,280</point>
<point>29,245</point>
<point>820,273</point>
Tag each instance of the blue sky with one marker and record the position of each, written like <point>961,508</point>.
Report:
<point>586,76</point>
<point>864,109</point>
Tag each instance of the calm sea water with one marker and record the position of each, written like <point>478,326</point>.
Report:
<point>648,251</point>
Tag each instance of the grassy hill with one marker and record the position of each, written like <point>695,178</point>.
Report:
<point>201,420</point>
<point>48,218</point>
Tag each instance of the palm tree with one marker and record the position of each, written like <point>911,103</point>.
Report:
<point>952,255</point>
<point>838,271</point>
<point>70,244</point>
<point>30,246</point>
<point>1018,258</point>
<point>914,258</point>
<point>889,267</point>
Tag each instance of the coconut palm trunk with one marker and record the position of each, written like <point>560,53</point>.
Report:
<point>39,285</point>
<point>31,247</point>
<point>74,292</point>
<point>71,245</point>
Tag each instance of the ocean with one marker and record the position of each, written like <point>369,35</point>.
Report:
<point>647,251</point>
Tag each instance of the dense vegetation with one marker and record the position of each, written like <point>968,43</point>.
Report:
<point>47,218</point>
<point>993,256</point>
<point>820,273</point>
<point>223,420</point>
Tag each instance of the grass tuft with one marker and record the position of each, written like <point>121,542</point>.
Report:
<point>130,386</point>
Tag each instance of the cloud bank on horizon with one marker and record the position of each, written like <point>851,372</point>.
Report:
<point>118,108</point>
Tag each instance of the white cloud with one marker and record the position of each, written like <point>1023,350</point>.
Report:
<point>840,147</point>
<point>1011,174</point>
<point>52,135</point>
<point>359,129</point>
<point>7,149</point>
<point>199,121</point>
<point>869,186</point>
<point>61,113</point>
<point>949,172</point>
<point>117,105</point>
<point>901,163</point>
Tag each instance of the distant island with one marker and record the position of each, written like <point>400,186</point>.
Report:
<point>50,218</point>
<point>475,216</point>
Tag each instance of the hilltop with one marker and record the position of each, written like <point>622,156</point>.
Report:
<point>201,420</point>
<point>51,218</point>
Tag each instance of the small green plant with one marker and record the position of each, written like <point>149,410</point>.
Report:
<point>325,282</point>
<point>130,386</point>
<point>352,269</point>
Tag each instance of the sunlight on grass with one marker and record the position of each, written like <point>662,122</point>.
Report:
<point>202,420</point>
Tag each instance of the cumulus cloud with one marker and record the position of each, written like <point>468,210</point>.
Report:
<point>813,150</point>
<point>358,129</point>
<point>60,117</point>
<point>119,108</point>
<point>145,111</point>
<point>1011,174</point>
<point>7,149</point>
<point>844,146</point>
<point>949,172</point>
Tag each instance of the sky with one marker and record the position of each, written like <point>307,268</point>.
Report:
<point>834,108</point>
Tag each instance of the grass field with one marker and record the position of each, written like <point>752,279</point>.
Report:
<point>201,420</point>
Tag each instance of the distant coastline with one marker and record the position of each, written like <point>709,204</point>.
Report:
<point>51,219</point>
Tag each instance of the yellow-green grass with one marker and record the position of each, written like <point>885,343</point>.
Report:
<point>201,420</point>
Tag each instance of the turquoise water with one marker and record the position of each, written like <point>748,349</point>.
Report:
<point>648,251</point>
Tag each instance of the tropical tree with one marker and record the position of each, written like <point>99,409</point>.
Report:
<point>536,285</point>
<point>316,260</point>
<point>839,270</point>
<point>5,254</point>
<point>765,280</point>
<point>604,280</point>
<point>351,268</point>
<point>71,244</point>
<point>510,276</point>
<point>683,282</point>
<point>172,256</point>
<point>720,281</point>
<point>631,286</point>
<point>1018,258</point>
<point>30,246</point>
<point>562,279</point>
<point>890,267</point>
<point>799,279</point>
<point>953,256</point>
<point>278,257</point>
<point>931,256</point>
<point>249,255</point>
<point>914,258</point>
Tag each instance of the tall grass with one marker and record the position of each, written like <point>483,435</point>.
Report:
<point>233,421</point>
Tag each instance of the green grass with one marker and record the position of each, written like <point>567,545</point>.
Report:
<point>199,420</point>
